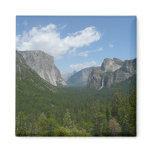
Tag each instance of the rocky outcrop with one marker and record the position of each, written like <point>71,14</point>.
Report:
<point>80,78</point>
<point>127,70</point>
<point>43,65</point>
<point>22,69</point>
<point>95,78</point>
<point>110,65</point>
<point>28,81</point>
<point>111,71</point>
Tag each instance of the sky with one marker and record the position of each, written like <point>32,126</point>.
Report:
<point>77,42</point>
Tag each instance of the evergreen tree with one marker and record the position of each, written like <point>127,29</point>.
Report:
<point>67,122</point>
<point>99,124</point>
<point>21,126</point>
<point>42,125</point>
<point>116,104</point>
<point>108,113</point>
<point>31,125</point>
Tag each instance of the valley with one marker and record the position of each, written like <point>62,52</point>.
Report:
<point>95,101</point>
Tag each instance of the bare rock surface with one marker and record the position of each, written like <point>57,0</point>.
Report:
<point>111,71</point>
<point>43,65</point>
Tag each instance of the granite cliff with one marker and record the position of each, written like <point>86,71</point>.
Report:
<point>43,65</point>
<point>111,71</point>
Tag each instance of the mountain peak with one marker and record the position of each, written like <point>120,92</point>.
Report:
<point>110,65</point>
<point>43,64</point>
<point>79,78</point>
<point>111,71</point>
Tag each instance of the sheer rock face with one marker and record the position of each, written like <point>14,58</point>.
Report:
<point>21,67</point>
<point>111,71</point>
<point>27,77</point>
<point>127,70</point>
<point>43,65</point>
<point>80,78</point>
<point>109,65</point>
<point>95,78</point>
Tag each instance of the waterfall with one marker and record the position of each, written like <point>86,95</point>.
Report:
<point>102,85</point>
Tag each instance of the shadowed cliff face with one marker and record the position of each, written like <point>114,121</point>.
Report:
<point>43,65</point>
<point>111,71</point>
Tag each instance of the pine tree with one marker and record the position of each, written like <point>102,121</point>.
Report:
<point>99,124</point>
<point>67,122</point>
<point>31,125</point>
<point>116,104</point>
<point>21,126</point>
<point>42,125</point>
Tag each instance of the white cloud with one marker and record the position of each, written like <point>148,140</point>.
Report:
<point>85,53</point>
<point>80,66</point>
<point>111,45</point>
<point>47,38</point>
<point>72,51</point>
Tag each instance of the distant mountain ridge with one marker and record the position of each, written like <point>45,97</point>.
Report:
<point>43,65</point>
<point>66,75</point>
<point>80,78</point>
<point>111,71</point>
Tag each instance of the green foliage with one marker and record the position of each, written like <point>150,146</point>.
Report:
<point>99,124</point>
<point>124,110</point>
<point>67,122</point>
<point>75,111</point>
<point>21,126</point>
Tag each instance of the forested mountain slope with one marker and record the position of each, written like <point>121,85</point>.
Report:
<point>30,87</point>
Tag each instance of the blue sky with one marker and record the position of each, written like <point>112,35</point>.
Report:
<point>77,42</point>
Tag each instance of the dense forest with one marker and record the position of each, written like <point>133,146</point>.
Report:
<point>76,111</point>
